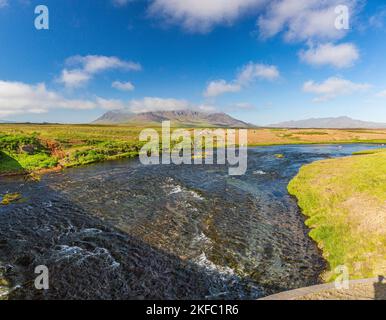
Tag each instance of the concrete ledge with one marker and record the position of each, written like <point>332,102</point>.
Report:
<point>318,289</point>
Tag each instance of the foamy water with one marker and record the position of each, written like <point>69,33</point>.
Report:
<point>119,230</point>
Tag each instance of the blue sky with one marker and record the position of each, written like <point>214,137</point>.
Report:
<point>260,61</point>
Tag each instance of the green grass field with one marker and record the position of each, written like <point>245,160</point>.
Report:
<point>345,202</point>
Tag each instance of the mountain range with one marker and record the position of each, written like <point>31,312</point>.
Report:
<point>330,123</point>
<point>191,118</point>
<point>182,118</point>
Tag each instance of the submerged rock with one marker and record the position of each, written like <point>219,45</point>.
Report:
<point>9,198</point>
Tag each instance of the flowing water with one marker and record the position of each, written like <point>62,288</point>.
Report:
<point>121,230</point>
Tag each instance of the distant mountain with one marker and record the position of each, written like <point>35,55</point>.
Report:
<point>330,123</point>
<point>114,117</point>
<point>183,118</point>
<point>5,121</point>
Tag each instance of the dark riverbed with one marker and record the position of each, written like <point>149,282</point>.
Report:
<point>119,230</point>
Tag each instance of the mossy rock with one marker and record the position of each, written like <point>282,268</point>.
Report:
<point>9,198</point>
<point>4,282</point>
<point>28,149</point>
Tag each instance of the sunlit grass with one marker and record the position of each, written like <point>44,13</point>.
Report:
<point>31,147</point>
<point>345,202</point>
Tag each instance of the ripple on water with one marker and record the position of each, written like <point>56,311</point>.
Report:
<point>120,230</point>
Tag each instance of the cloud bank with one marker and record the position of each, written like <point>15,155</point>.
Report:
<point>18,98</point>
<point>84,68</point>
<point>123,86</point>
<point>202,15</point>
<point>340,56</point>
<point>332,88</point>
<point>304,20</point>
<point>247,75</point>
<point>21,98</point>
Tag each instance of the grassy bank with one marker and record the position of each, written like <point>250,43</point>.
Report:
<point>345,202</point>
<point>30,148</point>
<point>20,152</point>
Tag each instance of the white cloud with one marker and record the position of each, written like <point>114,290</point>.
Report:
<point>340,56</point>
<point>219,87</point>
<point>123,86</point>
<point>85,67</point>
<point>110,104</point>
<point>94,64</point>
<point>333,87</point>
<point>247,75</point>
<point>253,71</point>
<point>313,21</point>
<point>202,15</point>
<point>148,104</point>
<point>74,78</point>
<point>298,20</point>
<point>19,98</point>
<point>304,20</point>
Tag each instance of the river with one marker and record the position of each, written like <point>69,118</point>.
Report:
<point>121,230</point>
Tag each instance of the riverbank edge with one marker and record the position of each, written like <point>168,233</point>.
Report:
<point>326,276</point>
<point>61,167</point>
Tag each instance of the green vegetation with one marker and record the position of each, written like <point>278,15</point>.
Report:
<point>101,152</point>
<point>26,148</point>
<point>30,148</point>
<point>20,153</point>
<point>364,152</point>
<point>345,202</point>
